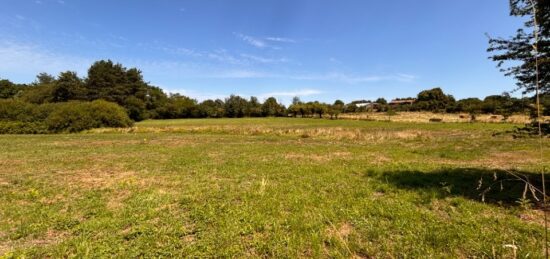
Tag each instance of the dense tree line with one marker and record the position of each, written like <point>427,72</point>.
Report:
<point>125,88</point>
<point>115,83</point>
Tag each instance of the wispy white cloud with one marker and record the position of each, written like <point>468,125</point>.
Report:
<point>181,51</point>
<point>299,93</point>
<point>221,56</point>
<point>405,77</point>
<point>20,17</point>
<point>60,2</point>
<point>261,43</point>
<point>280,39</point>
<point>335,60</point>
<point>239,74</point>
<point>256,42</point>
<point>38,2</point>
<point>264,59</point>
<point>355,79</point>
<point>331,77</point>
<point>17,58</point>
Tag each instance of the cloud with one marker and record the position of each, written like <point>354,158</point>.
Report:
<point>220,55</point>
<point>279,39</point>
<point>355,79</point>
<point>60,2</point>
<point>20,17</point>
<point>301,92</point>
<point>29,60</point>
<point>259,59</point>
<point>38,2</point>
<point>240,74</point>
<point>335,60</point>
<point>405,77</point>
<point>252,41</point>
<point>181,51</point>
<point>261,42</point>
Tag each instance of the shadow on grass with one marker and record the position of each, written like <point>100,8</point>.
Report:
<point>492,186</point>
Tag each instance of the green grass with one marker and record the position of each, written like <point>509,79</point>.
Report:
<point>272,187</point>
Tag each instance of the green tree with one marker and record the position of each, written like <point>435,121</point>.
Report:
<point>254,108</point>
<point>271,108</point>
<point>350,108</point>
<point>381,101</point>
<point>212,109</point>
<point>235,106</point>
<point>68,86</point>
<point>517,51</point>
<point>44,79</point>
<point>295,107</point>
<point>335,109</point>
<point>469,105</point>
<point>433,100</point>
<point>319,108</point>
<point>8,89</point>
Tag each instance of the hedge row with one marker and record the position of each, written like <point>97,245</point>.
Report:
<point>17,117</point>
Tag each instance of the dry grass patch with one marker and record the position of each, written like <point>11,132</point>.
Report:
<point>341,234</point>
<point>533,217</point>
<point>97,178</point>
<point>50,238</point>
<point>427,117</point>
<point>507,160</point>
<point>332,133</point>
<point>319,158</point>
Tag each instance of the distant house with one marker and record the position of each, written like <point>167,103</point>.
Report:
<point>402,101</point>
<point>367,105</point>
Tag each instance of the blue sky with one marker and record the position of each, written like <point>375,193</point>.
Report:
<point>316,49</point>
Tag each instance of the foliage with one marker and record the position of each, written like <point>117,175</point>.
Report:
<point>271,108</point>
<point>68,86</point>
<point>22,117</point>
<point>8,89</point>
<point>235,106</point>
<point>518,50</point>
<point>433,100</point>
<point>79,116</point>
<point>113,82</point>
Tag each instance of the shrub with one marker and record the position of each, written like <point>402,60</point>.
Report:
<point>79,116</point>
<point>13,110</point>
<point>18,117</point>
<point>20,127</point>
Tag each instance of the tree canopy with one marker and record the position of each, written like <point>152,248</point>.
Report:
<point>515,55</point>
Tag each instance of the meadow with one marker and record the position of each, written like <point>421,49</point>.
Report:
<point>270,187</point>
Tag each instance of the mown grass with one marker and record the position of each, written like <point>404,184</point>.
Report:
<point>267,187</point>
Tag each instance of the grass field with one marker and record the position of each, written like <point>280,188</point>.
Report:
<point>272,187</point>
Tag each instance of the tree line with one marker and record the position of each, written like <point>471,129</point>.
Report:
<point>115,84</point>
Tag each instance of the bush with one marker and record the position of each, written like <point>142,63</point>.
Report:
<point>79,116</point>
<point>13,110</point>
<point>17,117</point>
<point>19,127</point>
